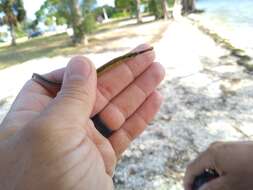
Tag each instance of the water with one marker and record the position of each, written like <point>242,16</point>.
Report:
<point>233,18</point>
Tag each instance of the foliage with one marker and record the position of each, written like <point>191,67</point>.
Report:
<point>52,9</point>
<point>156,8</point>
<point>13,10</point>
<point>14,13</point>
<point>171,3</point>
<point>89,23</point>
<point>126,6</point>
<point>188,6</point>
<point>78,14</point>
<point>111,11</point>
<point>20,30</point>
<point>153,6</point>
<point>120,15</point>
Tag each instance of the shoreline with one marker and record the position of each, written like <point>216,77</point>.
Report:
<point>207,97</point>
<point>240,54</point>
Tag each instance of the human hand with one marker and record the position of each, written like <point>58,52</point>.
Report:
<point>231,160</point>
<point>51,139</point>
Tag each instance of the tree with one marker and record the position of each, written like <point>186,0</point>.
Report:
<point>159,8</point>
<point>77,13</point>
<point>188,6</point>
<point>14,13</point>
<point>165,7</point>
<point>184,7</point>
<point>154,6</point>
<point>76,20</point>
<point>126,6</point>
<point>105,11</point>
<point>131,6</point>
<point>82,19</point>
<point>138,11</point>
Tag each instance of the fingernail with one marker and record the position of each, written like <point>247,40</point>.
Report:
<point>142,47</point>
<point>79,67</point>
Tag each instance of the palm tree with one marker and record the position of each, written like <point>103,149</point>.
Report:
<point>14,13</point>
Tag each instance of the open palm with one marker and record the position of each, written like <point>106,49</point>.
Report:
<point>126,100</point>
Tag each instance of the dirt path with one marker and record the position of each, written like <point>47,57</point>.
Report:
<point>208,97</point>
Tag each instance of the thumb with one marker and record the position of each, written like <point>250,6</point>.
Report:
<point>77,96</point>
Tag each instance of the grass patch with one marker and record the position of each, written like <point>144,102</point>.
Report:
<point>35,48</point>
<point>60,44</point>
<point>49,46</point>
<point>3,101</point>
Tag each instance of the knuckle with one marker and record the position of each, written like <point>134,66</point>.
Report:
<point>106,90</point>
<point>216,144</point>
<point>215,150</point>
<point>214,147</point>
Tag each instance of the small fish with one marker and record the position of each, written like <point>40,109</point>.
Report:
<point>119,60</point>
<point>108,66</point>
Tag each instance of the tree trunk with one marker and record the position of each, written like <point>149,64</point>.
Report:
<point>192,5</point>
<point>79,35</point>
<point>138,11</point>
<point>165,9</point>
<point>188,6</point>
<point>105,14</point>
<point>13,34</point>
<point>184,6</point>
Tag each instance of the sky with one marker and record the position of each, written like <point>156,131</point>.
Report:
<point>32,6</point>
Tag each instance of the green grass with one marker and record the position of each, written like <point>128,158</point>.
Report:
<point>47,47</point>
<point>36,48</point>
<point>3,101</point>
<point>59,44</point>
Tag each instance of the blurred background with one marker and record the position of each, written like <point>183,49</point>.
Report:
<point>206,47</point>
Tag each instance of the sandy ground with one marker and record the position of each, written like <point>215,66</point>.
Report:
<point>240,37</point>
<point>208,97</point>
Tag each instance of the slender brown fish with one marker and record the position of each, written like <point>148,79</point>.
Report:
<point>108,66</point>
